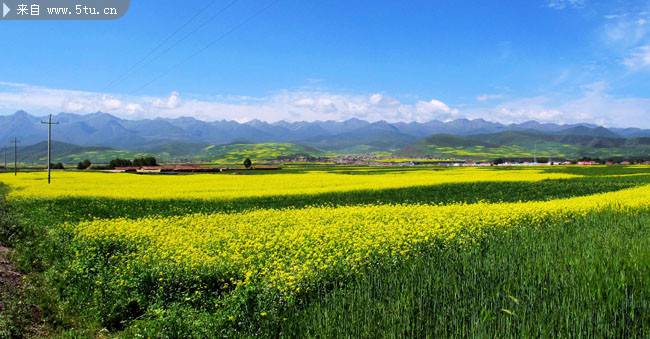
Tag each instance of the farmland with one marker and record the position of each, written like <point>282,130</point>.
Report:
<point>338,251</point>
<point>553,151</point>
<point>233,153</point>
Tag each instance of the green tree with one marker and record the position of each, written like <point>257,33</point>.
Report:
<point>120,163</point>
<point>248,163</point>
<point>84,164</point>
<point>145,161</point>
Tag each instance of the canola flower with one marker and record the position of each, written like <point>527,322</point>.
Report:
<point>294,250</point>
<point>224,186</point>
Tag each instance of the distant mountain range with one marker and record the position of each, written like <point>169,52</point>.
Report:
<point>97,132</point>
<point>102,129</point>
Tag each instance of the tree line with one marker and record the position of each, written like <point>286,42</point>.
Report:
<point>119,162</point>
<point>137,162</point>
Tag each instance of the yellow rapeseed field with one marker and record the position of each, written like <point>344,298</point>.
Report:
<point>246,262</point>
<point>225,186</point>
<point>293,250</point>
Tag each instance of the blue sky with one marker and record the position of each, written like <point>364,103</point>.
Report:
<point>549,60</point>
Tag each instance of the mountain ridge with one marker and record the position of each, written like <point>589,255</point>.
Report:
<point>105,130</point>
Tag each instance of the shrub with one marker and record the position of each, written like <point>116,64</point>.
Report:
<point>145,161</point>
<point>84,164</point>
<point>120,163</point>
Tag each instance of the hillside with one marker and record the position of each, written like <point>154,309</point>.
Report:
<point>167,152</point>
<point>236,153</point>
<point>67,153</point>
<point>587,142</point>
<point>375,137</point>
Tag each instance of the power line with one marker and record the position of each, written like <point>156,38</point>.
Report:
<point>141,63</point>
<point>212,43</point>
<point>163,42</point>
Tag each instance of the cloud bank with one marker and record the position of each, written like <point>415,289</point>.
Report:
<point>284,105</point>
<point>593,105</point>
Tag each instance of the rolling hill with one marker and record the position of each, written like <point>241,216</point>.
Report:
<point>587,142</point>
<point>168,152</point>
<point>68,153</point>
<point>235,153</point>
<point>377,136</point>
<point>100,136</point>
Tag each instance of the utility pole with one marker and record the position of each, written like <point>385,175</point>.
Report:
<point>15,142</point>
<point>49,124</point>
<point>535,155</point>
<point>4,149</point>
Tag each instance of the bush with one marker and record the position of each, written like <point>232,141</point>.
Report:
<point>84,164</point>
<point>120,163</point>
<point>145,161</point>
<point>58,165</point>
<point>248,163</point>
<point>100,167</point>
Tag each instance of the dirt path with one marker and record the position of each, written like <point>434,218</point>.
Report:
<point>9,278</point>
<point>19,319</point>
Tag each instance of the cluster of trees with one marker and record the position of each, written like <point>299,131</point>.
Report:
<point>120,163</point>
<point>84,164</point>
<point>58,165</point>
<point>144,161</point>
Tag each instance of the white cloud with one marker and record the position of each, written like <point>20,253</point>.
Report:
<point>284,105</point>
<point>489,97</point>
<point>134,108</point>
<point>171,102</point>
<point>562,4</point>
<point>535,108</point>
<point>626,29</point>
<point>595,87</point>
<point>111,104</point>
<point>73,106</point>
<point>432,106</point>
<point>593,105</point>
<point>639,59</point>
